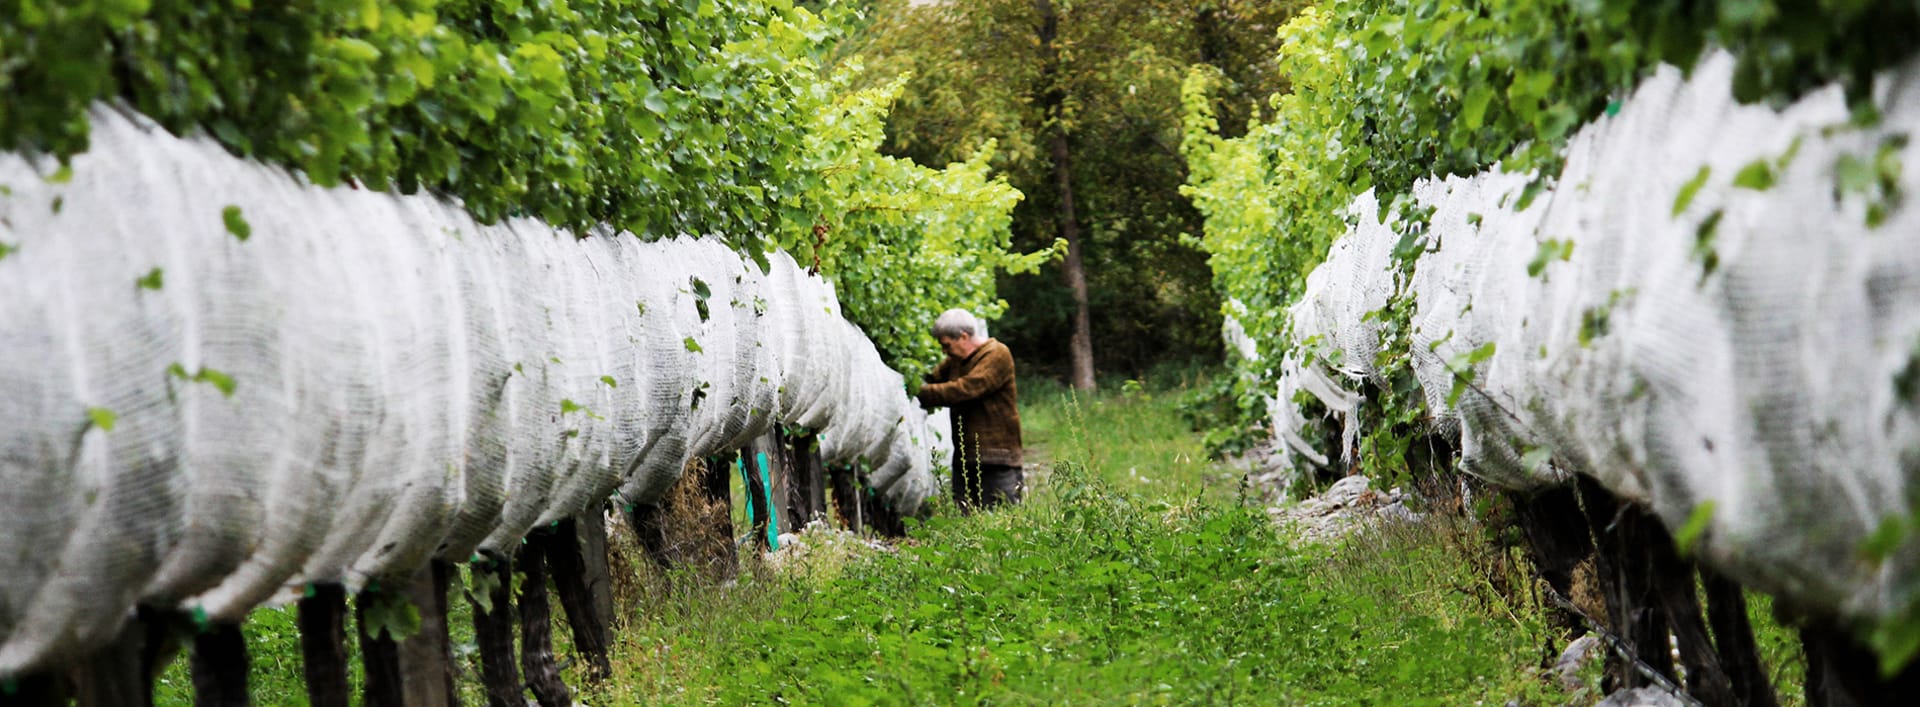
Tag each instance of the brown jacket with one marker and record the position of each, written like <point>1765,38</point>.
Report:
<point>985,402</point>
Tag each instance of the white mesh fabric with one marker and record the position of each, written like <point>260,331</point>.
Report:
<point>88,517</point>
<point>406,383</point>
<point>665,373</point>
<point>410,451</point>
<point>486,311</point>
<point>587,340</point>
<point>531,387</point>
<point>1744,352</point>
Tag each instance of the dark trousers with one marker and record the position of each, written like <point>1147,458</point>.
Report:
<point>986,485</point>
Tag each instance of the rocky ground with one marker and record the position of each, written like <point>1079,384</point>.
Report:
<point>1348,505</point>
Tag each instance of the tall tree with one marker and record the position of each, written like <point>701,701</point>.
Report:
<point>1082,100</point>
<point>1053,101</point>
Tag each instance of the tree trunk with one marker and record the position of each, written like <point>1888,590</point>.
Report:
<point>1557,540</point>
<point>1081,345</point>
<point>1675,594</point>
<point>1053,96</point>
<point>846,497</point>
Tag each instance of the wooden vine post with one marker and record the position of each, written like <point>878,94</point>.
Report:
<point>379,652</point>
<point>426,656</point>
<point>717,492</point>
<point>756,462</point>
<point>219,667</point>
<point>804,481</point>
<point>493,631</point>
<point>536,631</point>
<point>323,644</point>
<point>592,529</point>
<point>575,571</point>
<point>846,489</point>
<point>115,675</point>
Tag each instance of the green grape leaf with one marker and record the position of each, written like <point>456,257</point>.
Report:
<point>1690,532</point>
<point>389,615</point>
<point>480,588</point>
<point>1549,251</point>
<point>1689,189</point>
<point>1473,109</point>
<point>220,381</point>
<point>236,223</point>
<point>1758,175</point>
<point>1535,459</point>
<point>1892,532</point>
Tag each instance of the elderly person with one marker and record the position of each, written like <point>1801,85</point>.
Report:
<point>976,380</point>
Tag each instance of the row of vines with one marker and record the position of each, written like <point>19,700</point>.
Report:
<point>1399,108</point>
<point>1385,92</point>
<point>709,118</point>
<point>482,127</point>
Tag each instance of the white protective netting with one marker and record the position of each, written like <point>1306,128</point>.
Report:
<point>1758,350</point>
<point>404,383</point>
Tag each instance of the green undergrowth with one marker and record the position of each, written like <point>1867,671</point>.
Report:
<point>273,650</point>
<point>1086,594</point>
<point>1130,433</point>
<point>1100,589</point>
<point>275,674</point>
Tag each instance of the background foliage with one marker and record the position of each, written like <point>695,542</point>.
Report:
<point>901,242</point>
<point>979,75</point>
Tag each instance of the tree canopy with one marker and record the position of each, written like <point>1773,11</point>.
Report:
<point>1082,100</point>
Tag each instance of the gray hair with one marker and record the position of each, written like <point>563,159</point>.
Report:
<point>956,323</point>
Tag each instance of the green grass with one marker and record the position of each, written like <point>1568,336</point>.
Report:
<point>1135,573</point>
<point>275,668</point>
<point>1130,435</point>
<point>1087,594</point>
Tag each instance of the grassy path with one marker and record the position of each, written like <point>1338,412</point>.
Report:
<point>1134,574</point>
